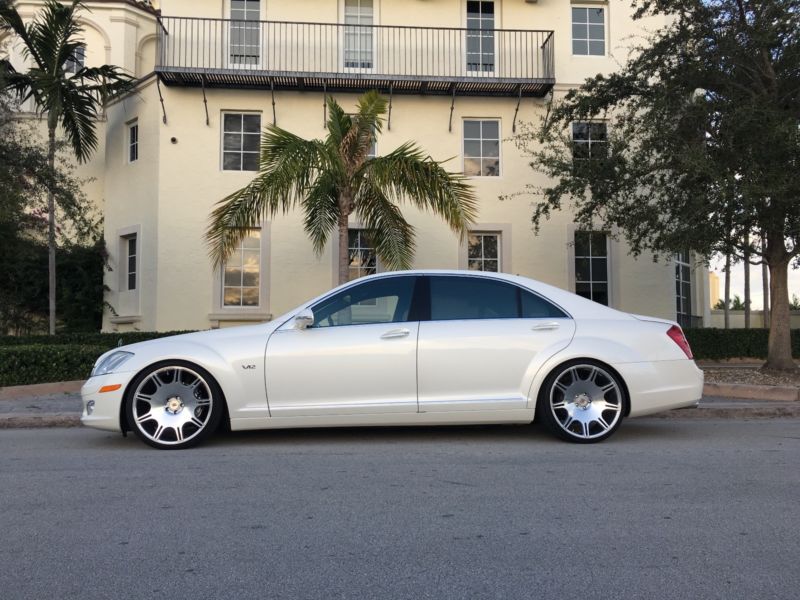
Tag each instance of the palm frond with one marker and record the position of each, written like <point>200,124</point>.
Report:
<point>321,211</point>
<point>20,85</point>
<point>11,20</point>
<point>407,174</point>
<point>365,125</point>
<point>79,111</point>
<point>338,123</point>
<point>54,35</point>
<point>391,234</point>
<point>289,166</point>
<point>75,102</point>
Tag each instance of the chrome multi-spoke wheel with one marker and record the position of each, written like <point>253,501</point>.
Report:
<point>582,401</point>
<point>173,405</point>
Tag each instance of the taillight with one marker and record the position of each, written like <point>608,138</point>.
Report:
<point>676,333</point>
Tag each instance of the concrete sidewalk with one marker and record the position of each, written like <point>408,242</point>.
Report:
<point>63,410</point>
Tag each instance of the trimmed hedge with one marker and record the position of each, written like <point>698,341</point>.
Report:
<point>26,360</point>
<point>718,344</point>
<point>87,339</point>
<point>24,365</point>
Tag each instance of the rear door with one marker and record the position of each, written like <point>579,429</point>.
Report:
<point>482,341</point>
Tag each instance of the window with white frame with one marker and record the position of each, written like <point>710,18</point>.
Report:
<point>77,61</point>
<point>483,251</point>
<point>133,141</point>
<point>241,273</point>
<point>591,265</point>
<point>361,253</point>
<point>244,32</point>
<point>131,272</point>
<point>683,288</point>
<point>241,139</point>
<point>589,141</point>
<point>480,36</point>
<point>588,31</point>
<point>359,17</point>
<point>482,148</point>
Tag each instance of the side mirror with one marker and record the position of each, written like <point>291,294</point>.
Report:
<point>304,319</point>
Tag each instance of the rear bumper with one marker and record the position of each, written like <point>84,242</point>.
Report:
<point>662,385</point>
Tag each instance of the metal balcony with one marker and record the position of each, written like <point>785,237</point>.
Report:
<point>353,58</point>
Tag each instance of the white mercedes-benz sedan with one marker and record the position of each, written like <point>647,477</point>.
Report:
<point>403,348</point>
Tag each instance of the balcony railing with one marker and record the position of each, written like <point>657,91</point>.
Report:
<point>338,57</point>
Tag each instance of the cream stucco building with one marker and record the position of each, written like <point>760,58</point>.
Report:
<point>461,76</point>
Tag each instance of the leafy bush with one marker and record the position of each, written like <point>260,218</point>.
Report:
<point>717,344</point>
<point>109,340</point>
<point>26,360</point>
<point>22,365</point>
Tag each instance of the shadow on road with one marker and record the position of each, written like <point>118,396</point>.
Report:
<point>634,431</point>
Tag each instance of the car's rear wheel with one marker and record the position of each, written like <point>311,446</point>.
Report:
<point>582,401</point>
<point>175,404</point>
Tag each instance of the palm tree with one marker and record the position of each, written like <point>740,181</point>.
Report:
<point>334,178</point>
<point>72,100</point>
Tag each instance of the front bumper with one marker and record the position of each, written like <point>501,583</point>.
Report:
<point>107,405</point>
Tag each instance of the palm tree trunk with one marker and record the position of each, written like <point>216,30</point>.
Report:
<point>747,282</point>
<point>344,252</point>
<point>51,229</point>
<point>727,307</point>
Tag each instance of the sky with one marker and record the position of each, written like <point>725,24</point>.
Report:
<point>737,281</point>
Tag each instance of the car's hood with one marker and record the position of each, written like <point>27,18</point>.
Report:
<point>210,337</point>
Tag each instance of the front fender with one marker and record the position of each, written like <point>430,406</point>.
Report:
<point>237,368</point>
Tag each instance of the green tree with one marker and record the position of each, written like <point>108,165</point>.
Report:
<point>334,178</point>
<point>703,143</point>
<point>735,304</point>
<point>26,179</point>
<point>72,101</point>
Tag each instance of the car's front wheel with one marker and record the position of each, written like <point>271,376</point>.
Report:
<point>172,405</point>
<point>582,401</point>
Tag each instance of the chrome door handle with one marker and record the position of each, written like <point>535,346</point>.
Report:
<point>395,333</point>
<point>545,326</point>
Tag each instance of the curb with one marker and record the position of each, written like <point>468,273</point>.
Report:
<point>774,412</point>
<point>14,392</point>
<point>752,392</point>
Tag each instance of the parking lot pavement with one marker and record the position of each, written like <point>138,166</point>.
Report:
<point>664,509</point>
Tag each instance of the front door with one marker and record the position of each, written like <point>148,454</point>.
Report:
<point>479,349</point>
<point>359,357</point>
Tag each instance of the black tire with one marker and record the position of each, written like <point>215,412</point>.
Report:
<point>174,404</point>
<point>582,401</point>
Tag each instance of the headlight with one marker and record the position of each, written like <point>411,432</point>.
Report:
<point>111,363</point>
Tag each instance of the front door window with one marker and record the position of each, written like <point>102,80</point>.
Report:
<point>385,300</point>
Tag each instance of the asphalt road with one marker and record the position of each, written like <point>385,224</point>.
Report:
<point>665,509</point>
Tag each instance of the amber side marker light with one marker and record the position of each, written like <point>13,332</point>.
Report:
<point>110,388</point>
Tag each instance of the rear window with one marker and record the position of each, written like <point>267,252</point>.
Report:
<point>536,307</point>
<point>456,298</point>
